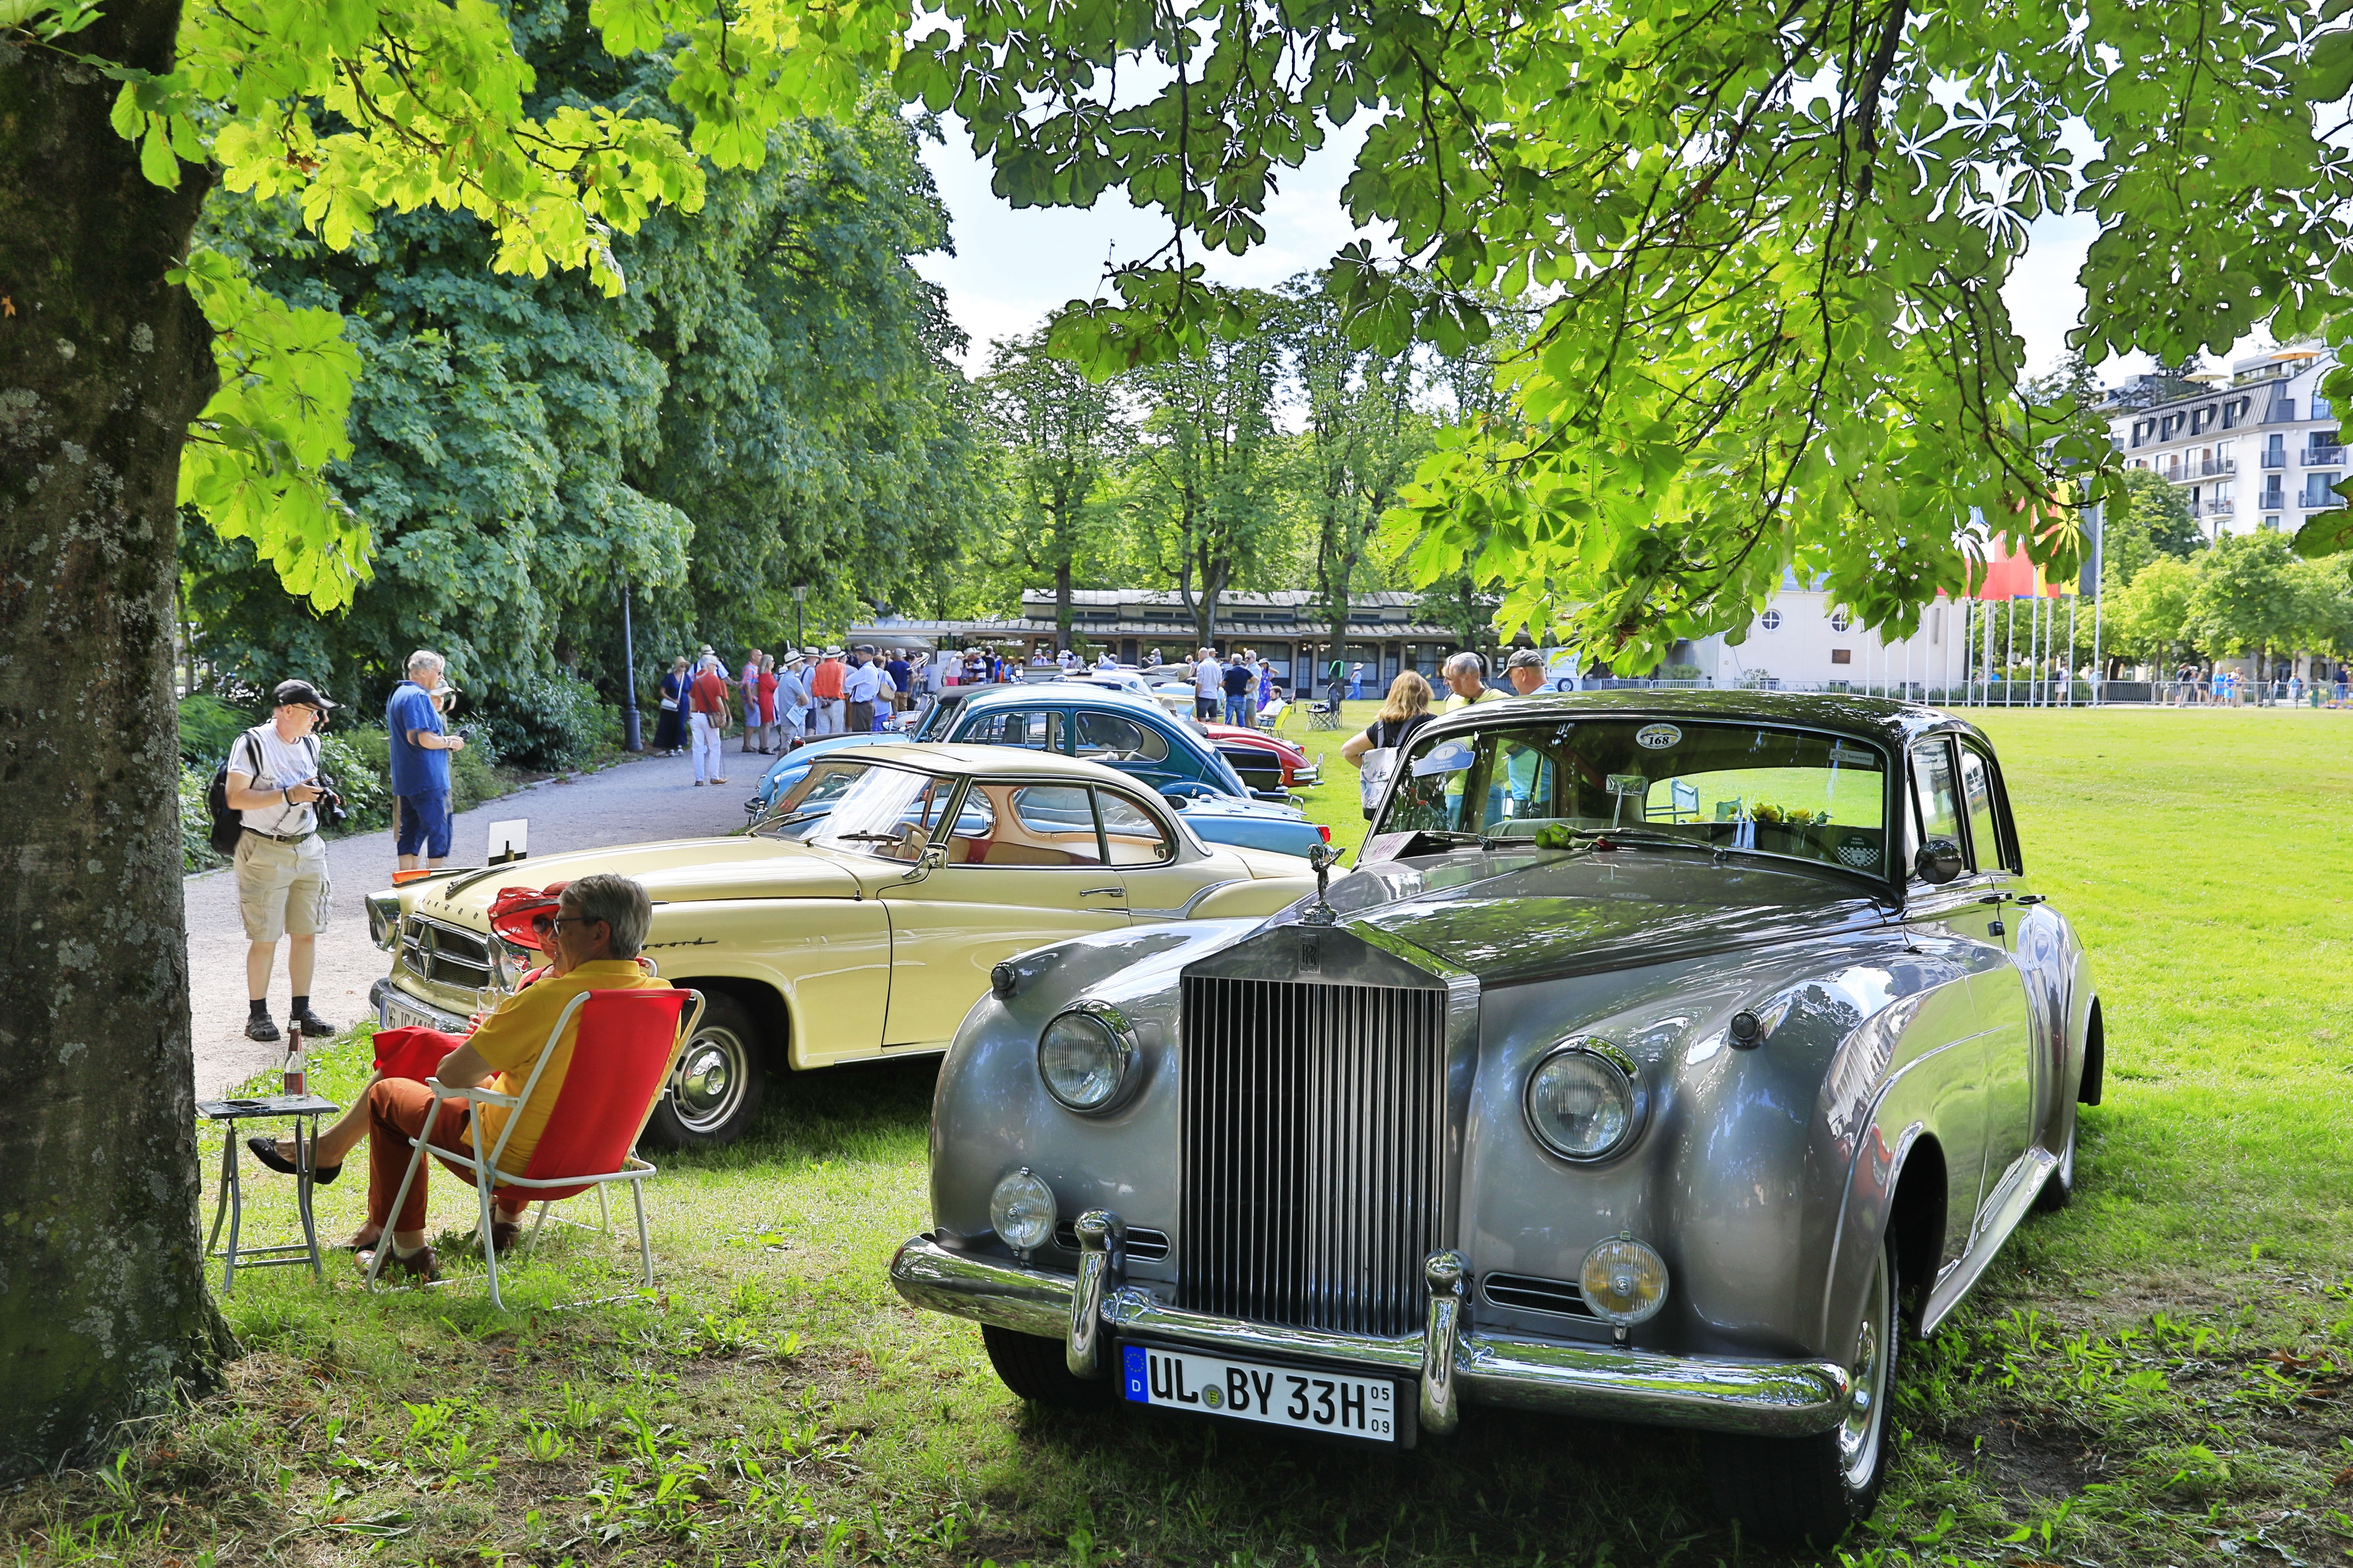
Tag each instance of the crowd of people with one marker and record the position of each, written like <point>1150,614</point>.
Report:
<point>777,706</point>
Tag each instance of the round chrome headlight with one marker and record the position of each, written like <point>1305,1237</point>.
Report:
<point>1022,1210</point>
<point>1086,1056</point>
<point>384,920</point>
<point>1585,1099</point>
<point>1624,1282</point>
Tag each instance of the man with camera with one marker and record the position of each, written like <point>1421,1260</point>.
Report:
<point>275,787</point>
<point>421,745</point>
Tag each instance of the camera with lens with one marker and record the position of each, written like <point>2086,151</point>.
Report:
<point>329,803</point>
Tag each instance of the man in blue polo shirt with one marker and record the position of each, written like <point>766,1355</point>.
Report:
<point>421,745</point>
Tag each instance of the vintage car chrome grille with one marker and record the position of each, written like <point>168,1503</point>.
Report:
<point>1313,1140</point>
<point>444,955</point>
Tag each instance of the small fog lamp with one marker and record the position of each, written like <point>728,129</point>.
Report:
<point>1624,1282</point>
<point>1022,1210</point>
<point>1085,1055</point>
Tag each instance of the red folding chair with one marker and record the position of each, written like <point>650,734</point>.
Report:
<point>627,1047</point>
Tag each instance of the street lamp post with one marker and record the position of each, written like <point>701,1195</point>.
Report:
<point>800,608</point>
<point>631,739</point>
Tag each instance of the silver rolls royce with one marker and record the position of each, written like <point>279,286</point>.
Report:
<point>1666,1059</point>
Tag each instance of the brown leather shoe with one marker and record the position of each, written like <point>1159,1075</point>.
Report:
<point>421,1266</point>
<point>366,1236</point>
<point>506,1235</point>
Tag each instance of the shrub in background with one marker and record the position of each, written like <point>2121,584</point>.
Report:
<point>358,761</point>
<point>547,723</point>
<point>207,725</point>
<point>196,822</point>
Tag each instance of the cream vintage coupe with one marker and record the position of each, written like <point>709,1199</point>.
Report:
<point>858,918</point>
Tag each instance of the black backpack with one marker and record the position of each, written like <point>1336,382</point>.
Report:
<point>228,826</point>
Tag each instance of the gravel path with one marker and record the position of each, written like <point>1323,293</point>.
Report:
<point>626,804</point>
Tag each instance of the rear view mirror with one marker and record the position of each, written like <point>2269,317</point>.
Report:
<point>1939,861</point>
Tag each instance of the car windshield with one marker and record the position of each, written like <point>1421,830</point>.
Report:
<point>1715,783</point>
<point>863,808</point>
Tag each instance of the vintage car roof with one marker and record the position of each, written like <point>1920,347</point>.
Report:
<point>1883,719</point>
<point>1001,762</point>
<point>1060,690</point>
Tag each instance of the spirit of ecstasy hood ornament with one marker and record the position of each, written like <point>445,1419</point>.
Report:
<point>1321,914</point>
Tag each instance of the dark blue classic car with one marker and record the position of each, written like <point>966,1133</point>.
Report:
<point>1099,723</point>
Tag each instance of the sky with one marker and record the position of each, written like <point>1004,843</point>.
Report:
<point>1010,269</point>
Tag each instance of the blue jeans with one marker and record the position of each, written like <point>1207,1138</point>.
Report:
<point>1234,706</point>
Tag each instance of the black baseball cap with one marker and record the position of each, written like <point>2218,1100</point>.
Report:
<point>301,693</point>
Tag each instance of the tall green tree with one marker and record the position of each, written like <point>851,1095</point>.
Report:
<point>2252,596</point>
<point>2146,516</point>
<point>773,402</point>
<point>1361,436</point>
<point>1768,245</point>
<point>1061,434</point>
<point>1209,463</point>
<point>118,338</point>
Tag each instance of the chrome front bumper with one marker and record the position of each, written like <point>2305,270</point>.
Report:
<point>1452,1361</point>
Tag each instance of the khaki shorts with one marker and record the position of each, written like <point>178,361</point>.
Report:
<point>282,888</point>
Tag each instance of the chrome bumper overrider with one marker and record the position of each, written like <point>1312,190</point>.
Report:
<point>1717,1393</point>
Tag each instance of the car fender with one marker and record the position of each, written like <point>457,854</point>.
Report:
<point>830,966</point>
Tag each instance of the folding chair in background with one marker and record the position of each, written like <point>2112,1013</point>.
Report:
<point>629,1045</point>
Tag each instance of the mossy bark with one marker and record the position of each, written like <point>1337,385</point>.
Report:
<point>103,364</point>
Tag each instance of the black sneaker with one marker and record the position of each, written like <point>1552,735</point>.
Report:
<point>314,1027</point>
<point>259,1027</point>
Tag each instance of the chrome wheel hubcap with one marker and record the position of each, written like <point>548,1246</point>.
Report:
<point>710,1078</point>
<point>1859,1435</point>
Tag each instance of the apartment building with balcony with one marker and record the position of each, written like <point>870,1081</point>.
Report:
<point>2255,449</point>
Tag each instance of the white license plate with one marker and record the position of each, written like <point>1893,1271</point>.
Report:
<point>1281,1396</point>
<point>397,1014</point>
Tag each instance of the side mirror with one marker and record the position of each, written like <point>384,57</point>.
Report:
<point>1939,861</point>
<point>928,859</point>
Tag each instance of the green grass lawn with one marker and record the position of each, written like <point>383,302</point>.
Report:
<point>2163,1373</point>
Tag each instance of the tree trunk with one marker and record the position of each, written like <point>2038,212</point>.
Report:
<point>1062,603</point>
<point>102,1304</point>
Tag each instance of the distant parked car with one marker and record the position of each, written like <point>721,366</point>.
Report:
<point>1291,765</point>
<point>1669,1057</point>
<point>1070,717</point>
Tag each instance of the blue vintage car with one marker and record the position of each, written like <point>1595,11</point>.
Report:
<point>1099,722</point>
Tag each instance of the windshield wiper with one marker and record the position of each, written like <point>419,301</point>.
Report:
<point>867,837</point>
<point>1638,836</point>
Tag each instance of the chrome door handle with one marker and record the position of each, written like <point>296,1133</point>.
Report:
<point>1113,892</point>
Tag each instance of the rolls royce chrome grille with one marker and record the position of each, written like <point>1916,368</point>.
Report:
<point>444,955</point>
<point>1313,1141</point>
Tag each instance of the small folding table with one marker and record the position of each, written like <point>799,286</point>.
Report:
<point>303,1110</point>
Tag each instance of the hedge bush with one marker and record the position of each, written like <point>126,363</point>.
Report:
<point>550,724</point>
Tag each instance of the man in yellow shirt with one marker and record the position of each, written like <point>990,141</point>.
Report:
<point>1466,678</point>
<point>599,927</point>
